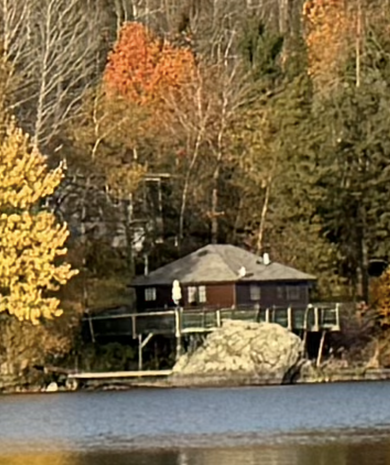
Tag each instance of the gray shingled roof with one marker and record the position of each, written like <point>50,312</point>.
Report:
<point>220,263</point>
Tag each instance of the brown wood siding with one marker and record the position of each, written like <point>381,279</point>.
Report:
<point>217,295</point>
<point>220,295</point>
<point>274,294</point>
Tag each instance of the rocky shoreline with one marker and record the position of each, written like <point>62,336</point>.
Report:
<point>238,354</point>
<point>233,381</point>
<point>320,376</point>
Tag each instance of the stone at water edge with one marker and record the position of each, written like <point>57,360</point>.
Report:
<point>244,348</point>
<point>52,387</point>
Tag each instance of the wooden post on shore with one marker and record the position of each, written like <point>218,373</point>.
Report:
<point>316,319</point>
<point>306,328</point>
<point>90,324</point>
<point>218,318</point>
<point>305,342</point>
<point>337,317</point>
<point>258,313</point>
<point>320,349</point>
<point>289,319</point>
<point>178,324</point>
<point>140,361</point>
<point>133,326</point>
<point>141,345</point>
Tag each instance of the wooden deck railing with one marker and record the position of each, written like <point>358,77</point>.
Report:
<point>314,318</point>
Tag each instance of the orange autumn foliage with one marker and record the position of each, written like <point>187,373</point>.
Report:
<point>330,31</point>
<point>143,67</point>
<point>380,297</point>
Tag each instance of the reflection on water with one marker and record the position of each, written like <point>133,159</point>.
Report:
<point>57,458</point>
<point>325,454</point>
<point>343,424</point>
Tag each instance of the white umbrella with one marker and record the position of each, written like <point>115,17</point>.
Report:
<point>176,292</point>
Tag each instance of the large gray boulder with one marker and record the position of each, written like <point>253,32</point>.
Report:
<point>244,349</point>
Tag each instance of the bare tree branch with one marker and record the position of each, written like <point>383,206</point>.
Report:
<point>53,46</point>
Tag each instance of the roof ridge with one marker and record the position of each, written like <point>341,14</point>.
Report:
<point>223,258</point>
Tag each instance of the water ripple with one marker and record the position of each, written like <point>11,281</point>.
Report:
<point>196,418</point>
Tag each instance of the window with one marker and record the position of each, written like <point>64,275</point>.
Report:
<point>191,290</point>
<point>255,292</point>
<point>196,294</point>
<point>202,294</point>
<point>293,292</point>
<point>280,293</point>
<point>150,294</point>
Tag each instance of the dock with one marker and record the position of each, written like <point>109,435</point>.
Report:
<point>121,374</point>
<point>73,380</point>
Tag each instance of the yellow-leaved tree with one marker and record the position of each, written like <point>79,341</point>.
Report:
<point>31,241</point>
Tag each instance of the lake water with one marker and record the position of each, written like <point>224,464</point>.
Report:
<point>331,424</point>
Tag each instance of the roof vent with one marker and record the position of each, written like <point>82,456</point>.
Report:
<point>266,260</point>
<point>242,272</point>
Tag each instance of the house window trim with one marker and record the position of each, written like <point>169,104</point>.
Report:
<point>254,292</point>
<point>197,294</point>
<point>150,294</point>
<point>191,294</point>
<point>202,294</point>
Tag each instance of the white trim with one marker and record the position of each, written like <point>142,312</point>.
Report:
<point>196,294</point>
<point>191,294</point>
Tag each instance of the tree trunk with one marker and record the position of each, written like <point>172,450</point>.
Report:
<point>128,213</point>
<point>364,278</point>
<point>263,217</point>
<point>186,186</point>
<point>214,208</point>
<point>264,210</point>
<point>358,43</point>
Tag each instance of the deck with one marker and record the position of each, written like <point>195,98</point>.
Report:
<point>180,322</point>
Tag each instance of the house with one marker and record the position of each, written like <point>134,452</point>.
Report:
<point>223,276</point>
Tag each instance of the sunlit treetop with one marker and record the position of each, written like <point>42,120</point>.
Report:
<point>330,31</point>
<point>142,67</point>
